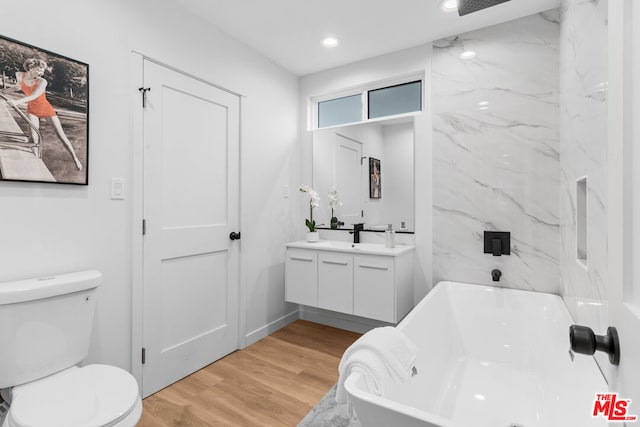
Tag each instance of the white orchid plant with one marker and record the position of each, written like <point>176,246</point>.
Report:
<point>314,202</point>
<point>334,202</point>
<point>334,199</point>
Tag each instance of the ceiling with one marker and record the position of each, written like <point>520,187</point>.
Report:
<point>289,32</point>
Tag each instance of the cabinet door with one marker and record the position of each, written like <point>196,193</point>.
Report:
<point>301,277</point>
<point>335,282</point>
<point>374,287</point>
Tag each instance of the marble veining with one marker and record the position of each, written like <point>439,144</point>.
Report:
<point>583,153</point>
<point>496,153</point>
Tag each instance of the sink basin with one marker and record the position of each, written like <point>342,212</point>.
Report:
<point>341,246</point>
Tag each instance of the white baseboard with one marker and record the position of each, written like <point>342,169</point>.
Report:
<point>268,329</point>
<point>348,322</point>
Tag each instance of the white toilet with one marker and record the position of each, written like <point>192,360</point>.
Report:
<point>45,330</point>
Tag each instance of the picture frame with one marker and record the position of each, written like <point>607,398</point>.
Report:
<point>46,138</point>
<point>375,179</point>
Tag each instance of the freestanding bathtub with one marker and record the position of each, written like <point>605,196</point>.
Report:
<point>487,357</point>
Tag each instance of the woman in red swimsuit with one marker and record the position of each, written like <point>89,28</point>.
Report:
<point>38,107</point>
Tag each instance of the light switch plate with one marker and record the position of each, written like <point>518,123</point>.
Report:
<point>117,188</point>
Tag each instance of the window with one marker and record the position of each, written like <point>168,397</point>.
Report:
<point>398,99</point>
<point>381,99</point>
<point>340,111</point>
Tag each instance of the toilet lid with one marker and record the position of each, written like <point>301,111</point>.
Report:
<point>92,396</point>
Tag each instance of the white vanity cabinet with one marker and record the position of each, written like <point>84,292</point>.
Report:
<point>335,281</point>
<point>367,280</point>
<point>301,269</point>
<point>378,280</point>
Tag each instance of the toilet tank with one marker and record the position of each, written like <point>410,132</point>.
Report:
<point>45,324</point>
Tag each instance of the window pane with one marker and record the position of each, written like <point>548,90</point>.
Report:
<point>340,111</point>
<point>404,98</point>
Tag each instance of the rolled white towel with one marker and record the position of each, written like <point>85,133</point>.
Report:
<point>380,354</point>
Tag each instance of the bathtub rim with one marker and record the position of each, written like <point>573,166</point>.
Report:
<point>351,383</point>
<point>443,285</point>
<point>352,389</point>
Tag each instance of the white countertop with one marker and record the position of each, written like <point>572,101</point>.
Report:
<point>348,247</point>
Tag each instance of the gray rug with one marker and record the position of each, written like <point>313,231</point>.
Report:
<point>327,413</point>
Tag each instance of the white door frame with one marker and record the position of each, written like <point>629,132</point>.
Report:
<point>137,202</point>
<point>624,96</point>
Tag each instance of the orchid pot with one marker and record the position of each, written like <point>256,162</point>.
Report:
<point>313,237</point>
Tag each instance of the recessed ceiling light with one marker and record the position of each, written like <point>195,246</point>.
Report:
<point>467,54</point>
<point>330,42</point>
<point>449,5</point>
<point>483,103</point>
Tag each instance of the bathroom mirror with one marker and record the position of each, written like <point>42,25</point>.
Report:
<point>371,167</point>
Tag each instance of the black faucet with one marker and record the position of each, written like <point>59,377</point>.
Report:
<point>495,275</point>
<point>357,228</point>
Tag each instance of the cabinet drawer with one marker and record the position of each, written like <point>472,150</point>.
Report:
<point>335,282</point>
<point>374,287</point>
<point>301,277</point>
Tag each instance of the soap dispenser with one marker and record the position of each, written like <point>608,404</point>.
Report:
<point>390,237</point>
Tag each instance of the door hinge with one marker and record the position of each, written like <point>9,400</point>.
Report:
<point>144,356</point>
<point>144,227</point>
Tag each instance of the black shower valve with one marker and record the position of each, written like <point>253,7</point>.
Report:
<point>497,243</point>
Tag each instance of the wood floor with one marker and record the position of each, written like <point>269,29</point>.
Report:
<point>271,383</point>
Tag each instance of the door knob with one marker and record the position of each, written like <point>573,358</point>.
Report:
<point>584,341</point>
<point>234,235</point>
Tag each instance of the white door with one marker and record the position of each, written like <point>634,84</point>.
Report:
<point>341,158</point>
<point>191,185</point>
<point>348,178</point>
<point>624,196</point>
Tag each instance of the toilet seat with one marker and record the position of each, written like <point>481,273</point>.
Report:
<point>92,396</point>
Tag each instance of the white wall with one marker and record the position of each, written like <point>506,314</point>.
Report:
<point>408,61</point>
<point>397,182</point>
<point>48,229</point>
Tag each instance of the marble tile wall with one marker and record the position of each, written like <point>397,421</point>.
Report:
<point>496,153</point>
<point>583,152</point>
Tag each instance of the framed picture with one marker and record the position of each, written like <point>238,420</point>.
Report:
<point>44,115</point>
<point>375,181</point>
